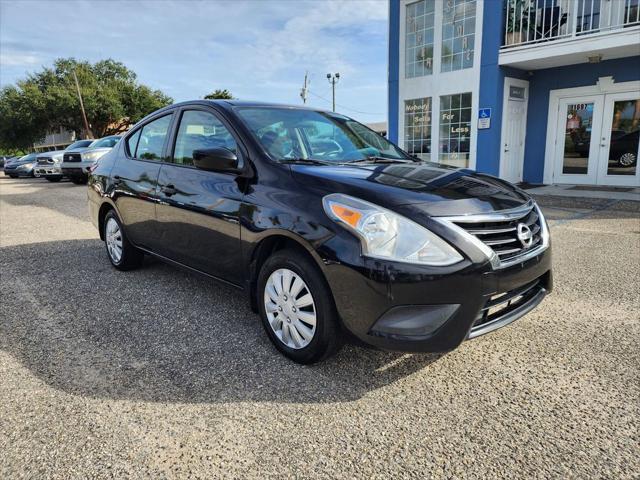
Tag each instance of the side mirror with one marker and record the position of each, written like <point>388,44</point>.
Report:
<point>217,159</point>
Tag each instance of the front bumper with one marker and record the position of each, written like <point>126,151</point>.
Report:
<point>19,172</point>
<point>76,169</point>
<point>48,170</point>
<point>415,309</point>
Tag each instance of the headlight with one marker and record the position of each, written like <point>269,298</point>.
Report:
<point>57,158</point>
<point>92,156</point>
<point>387,235</point>
<point>26,165</point>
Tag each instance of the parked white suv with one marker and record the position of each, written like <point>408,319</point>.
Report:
<point>76,163</point>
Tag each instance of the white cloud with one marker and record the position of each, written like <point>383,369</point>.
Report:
<point>256,49</point>
<point>10,59</point>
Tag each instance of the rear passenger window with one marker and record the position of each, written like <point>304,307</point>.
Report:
<point>199,130</point>
<point>152,139</point>
<point>132,143</point>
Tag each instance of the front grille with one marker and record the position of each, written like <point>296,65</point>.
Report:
<point>502,235</point>
<point>499,306</point>
<point>72,157</point>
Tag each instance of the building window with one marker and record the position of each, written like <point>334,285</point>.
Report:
<point>419,39</point>
<point>455,129</point>
<point>417,127</point>
<point>458,34</point>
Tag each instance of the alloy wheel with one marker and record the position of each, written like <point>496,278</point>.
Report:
<point>627,159</point>
<point>290,308</point>
<point>113,237</point>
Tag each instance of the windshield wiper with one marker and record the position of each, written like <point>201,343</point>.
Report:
<point>375,159</point>
<point>309,161</point>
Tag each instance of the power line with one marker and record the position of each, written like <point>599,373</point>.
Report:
<point>342,106</point>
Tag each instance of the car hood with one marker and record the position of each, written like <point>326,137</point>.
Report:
<point>50,154</point>
<point>21,162</point>
<point>435,189</point>
<point>77,150</point>
<point>98,149</point>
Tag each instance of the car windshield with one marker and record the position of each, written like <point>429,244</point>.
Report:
<point>106,142</point>
<point>291,134</point>
<point>28,157</point>
<point>80,144</point>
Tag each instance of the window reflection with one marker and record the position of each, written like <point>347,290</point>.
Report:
<point>577,138</point>
<point>625,129</point>
<point>417,127</point>
<point>455,129</point>
<point>419,28</point>
<point>458,34</point>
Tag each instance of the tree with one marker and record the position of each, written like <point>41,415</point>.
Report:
<point>219,95</point>
<point>47,100</point>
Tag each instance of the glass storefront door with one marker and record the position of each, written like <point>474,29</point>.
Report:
<point>597,140</point>
<point>618,163</point>
<point>579,123</point>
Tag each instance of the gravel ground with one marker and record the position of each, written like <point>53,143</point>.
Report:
<point>159,373</point>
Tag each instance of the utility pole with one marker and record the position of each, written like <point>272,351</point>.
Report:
<point>84,115</point>
<point>333,79</point>
<point>303,92</point>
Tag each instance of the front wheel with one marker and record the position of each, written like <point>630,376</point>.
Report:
<point>122,254</point>
<point>297,309</point>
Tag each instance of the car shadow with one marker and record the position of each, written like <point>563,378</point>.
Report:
<point>161,334</point>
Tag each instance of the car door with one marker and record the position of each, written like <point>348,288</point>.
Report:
<point>198,215</point>
<point>136,179</point>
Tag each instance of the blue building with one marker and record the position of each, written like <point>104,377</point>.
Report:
<point>540,91</point>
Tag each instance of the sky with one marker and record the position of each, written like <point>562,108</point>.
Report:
<point>257,49</point>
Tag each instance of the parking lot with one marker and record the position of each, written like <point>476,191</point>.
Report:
<point>162,373</point>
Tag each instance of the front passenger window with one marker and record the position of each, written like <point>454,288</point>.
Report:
<point>152,139</point>
<point>200,130</point>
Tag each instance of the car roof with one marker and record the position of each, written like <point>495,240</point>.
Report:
<point>228,104</point>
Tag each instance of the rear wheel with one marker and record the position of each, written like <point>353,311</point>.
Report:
<point>296,308</point>
<point>122,254</point>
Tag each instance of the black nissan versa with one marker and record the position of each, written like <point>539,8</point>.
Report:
<point>327,226</point>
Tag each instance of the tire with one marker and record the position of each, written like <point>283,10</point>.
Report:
<point>130,257</point>
<point>79,180</point>
<point>53,179</point>
<point>306,344</point>
<point>627,159</point>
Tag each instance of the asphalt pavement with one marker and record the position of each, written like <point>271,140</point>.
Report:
<point>159,373</point>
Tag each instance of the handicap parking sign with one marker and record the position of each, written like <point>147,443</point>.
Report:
<point>484,118</point>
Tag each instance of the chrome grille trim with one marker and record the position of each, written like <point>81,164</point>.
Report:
<point>529,213</point>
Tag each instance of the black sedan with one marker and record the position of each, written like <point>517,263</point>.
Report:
<point>328,227</point>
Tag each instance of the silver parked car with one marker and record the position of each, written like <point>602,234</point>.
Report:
<point>76,163</point>
<point>48,164</point>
